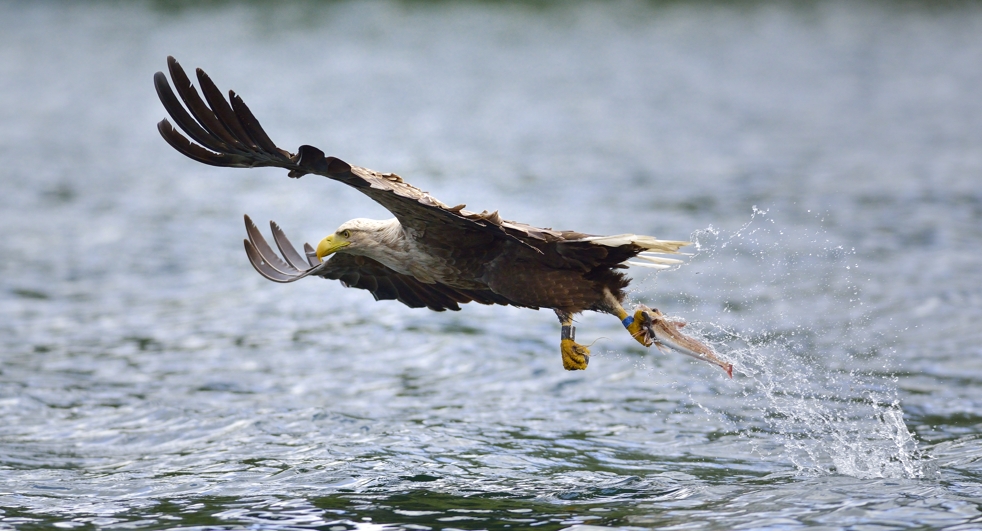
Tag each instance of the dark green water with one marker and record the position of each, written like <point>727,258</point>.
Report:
<point>826,157</point>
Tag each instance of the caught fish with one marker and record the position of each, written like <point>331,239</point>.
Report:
<point>655,328</point>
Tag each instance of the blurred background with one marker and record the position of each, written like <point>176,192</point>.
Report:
<point>824,156</point>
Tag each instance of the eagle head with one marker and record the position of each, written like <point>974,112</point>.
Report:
<point>357,236</point>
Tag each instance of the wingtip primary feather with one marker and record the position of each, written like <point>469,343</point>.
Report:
<point>286,248</point>
<point>263,268</point>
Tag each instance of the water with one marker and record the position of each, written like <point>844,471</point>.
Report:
<point>824,156</point>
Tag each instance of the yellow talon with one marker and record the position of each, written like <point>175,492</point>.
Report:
<point>638,330</point>
<point>575,356</point>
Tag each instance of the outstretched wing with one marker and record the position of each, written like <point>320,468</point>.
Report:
<point>354,272</point>
<point>226,133</point>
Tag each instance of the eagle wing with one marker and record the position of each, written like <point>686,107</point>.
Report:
<point>226,133</point>
<point>355,272</point>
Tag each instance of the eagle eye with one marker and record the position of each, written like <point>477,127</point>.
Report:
<point>346,233</point>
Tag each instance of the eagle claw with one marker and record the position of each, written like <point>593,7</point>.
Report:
<point>575,356</point>
<point>640,328</point>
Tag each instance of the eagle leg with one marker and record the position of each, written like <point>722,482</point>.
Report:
<point>575,356</point>
<point>637,325</point>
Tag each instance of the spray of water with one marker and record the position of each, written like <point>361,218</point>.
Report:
<point>812,372</point>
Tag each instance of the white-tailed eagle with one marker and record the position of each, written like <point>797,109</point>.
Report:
<point>430,254</point>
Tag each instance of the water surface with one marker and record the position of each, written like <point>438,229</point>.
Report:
<point>825,157</point>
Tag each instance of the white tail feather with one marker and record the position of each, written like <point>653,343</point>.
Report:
<point>650,266</point>
<point>649,243</point>
<point>657,259</point>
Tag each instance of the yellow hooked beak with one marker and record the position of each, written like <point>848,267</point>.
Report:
<point>329,245</point>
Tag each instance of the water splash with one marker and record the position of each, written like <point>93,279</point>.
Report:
<point>813,370</point>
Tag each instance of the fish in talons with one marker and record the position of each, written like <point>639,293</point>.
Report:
<point>651,327</point>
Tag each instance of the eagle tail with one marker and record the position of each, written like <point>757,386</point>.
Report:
<point>643,248</point>
<point>646,243</point>
<point>654,262</point>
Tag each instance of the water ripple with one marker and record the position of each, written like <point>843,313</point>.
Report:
<point>823,157</point>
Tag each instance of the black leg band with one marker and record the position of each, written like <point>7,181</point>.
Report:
<point>569,332</point>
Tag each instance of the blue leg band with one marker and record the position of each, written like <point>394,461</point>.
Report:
<point>628,321</point>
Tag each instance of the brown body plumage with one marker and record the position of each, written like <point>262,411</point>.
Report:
<point>431,255</point>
